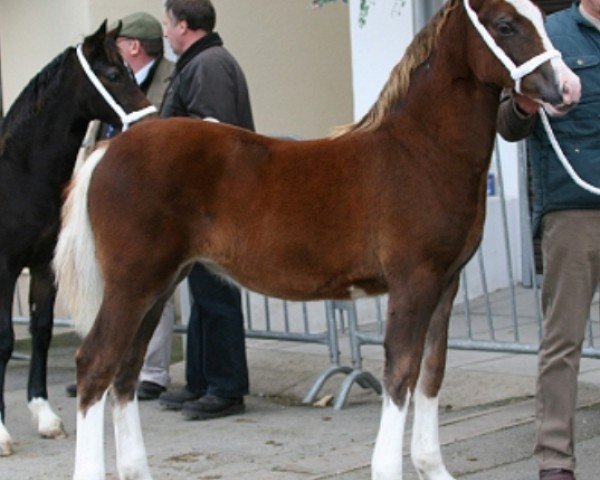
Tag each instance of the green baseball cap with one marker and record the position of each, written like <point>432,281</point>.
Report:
<point>141,26</point>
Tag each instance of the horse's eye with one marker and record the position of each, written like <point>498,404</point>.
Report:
<point>112,75</point>
<point>504,28</point>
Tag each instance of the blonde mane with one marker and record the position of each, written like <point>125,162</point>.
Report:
<point>397,85</point>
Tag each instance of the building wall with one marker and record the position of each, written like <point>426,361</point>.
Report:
<point>296,59</point>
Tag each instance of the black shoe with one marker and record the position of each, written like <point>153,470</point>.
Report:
<point>149,390</point>
<point>174,399</point>
<point>211,406</point>
<point>71,390</point>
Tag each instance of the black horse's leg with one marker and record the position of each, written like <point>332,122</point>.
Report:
<point>42,294</point>
<point>7,342</point>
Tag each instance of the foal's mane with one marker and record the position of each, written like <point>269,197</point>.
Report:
<point>31,100</point>
<point>394,91</point>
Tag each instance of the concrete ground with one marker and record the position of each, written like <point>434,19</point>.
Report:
<point>486,422</point>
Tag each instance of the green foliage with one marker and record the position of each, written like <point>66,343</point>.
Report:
<point>365,5</point>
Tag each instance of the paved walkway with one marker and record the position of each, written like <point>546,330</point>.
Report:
<point>486,417</point>
<point>486,422</point>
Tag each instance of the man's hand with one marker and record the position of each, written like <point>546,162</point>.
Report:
<point>525,104</point>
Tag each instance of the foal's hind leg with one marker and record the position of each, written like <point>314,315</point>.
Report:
<point>425,448</point>
<point>411,304</point>
<point>98,360</point>
<point>131,453</point>
<point>42,295</point>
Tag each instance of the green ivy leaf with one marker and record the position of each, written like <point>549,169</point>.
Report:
<point>365,5</point>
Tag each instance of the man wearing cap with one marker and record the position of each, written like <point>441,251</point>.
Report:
<point>140,42</point>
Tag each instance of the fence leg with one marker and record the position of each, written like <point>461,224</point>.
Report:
<point>334,356</point>
<point>364,379</point>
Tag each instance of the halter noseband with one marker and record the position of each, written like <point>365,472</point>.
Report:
<point>126,118</point>
<point>516,73</point>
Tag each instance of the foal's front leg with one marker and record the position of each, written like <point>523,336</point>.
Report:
<point>7,342</point>
<point>425,448</point>
<point>42,295</point>
<point>411,304</point>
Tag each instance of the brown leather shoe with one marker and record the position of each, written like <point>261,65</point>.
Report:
<point>556,474</point>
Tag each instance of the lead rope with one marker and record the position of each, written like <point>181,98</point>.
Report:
<point>126,118</point>
<point>517,74</point>
<point>563,158</point>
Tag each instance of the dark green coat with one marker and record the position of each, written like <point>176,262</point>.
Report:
<point>578,132</point>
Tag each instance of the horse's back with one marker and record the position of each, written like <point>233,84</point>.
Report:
<point>245,202</point>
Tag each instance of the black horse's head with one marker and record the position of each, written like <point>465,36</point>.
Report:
<point>102,54</point>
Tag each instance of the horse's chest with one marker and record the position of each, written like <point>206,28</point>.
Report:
<point>29,229</point>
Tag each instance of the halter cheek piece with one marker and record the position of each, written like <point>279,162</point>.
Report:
<point>516,73</point>
<point>126,118</point>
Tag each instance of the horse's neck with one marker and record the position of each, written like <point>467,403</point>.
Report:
<point>458,109</point>
<point>46,138</point>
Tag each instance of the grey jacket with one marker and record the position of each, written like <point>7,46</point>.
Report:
<point>208,82</point>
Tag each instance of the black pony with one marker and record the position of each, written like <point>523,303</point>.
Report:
<point>39,140</point>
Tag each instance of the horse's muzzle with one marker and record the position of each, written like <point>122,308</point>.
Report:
<point>568,90</point>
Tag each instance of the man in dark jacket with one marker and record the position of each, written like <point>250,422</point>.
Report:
<point>568,218</point>
<point>208,83</point>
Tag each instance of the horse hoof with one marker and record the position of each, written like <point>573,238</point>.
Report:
<point>6,450</point>
<point>53,432</point>
<point>6,444</point>
<point>48,423</point>
<point>6,447</point>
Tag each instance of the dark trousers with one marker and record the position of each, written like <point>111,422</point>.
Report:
<point>216,347</point>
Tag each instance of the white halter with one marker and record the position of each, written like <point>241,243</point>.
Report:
<point>126,118</point>
<point>516,73</point>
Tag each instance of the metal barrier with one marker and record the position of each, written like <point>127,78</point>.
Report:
<point>504,319</point>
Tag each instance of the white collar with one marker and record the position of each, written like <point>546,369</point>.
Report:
<point>142,73</point>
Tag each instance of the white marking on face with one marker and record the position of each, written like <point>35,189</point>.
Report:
<point>387,456</point>
<point>528,10</point>
<point>569,82</point>
<point>49,425</point>
<point>89,453</point>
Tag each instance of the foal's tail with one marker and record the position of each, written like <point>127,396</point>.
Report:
<point>75,263</point>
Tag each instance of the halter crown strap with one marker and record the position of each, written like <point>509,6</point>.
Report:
<point>516,73</point>
<point>126,118</point>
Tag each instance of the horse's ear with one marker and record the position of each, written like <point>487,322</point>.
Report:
<point>98,35</point>
<point>114,33</point>
<point>96,39</point>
